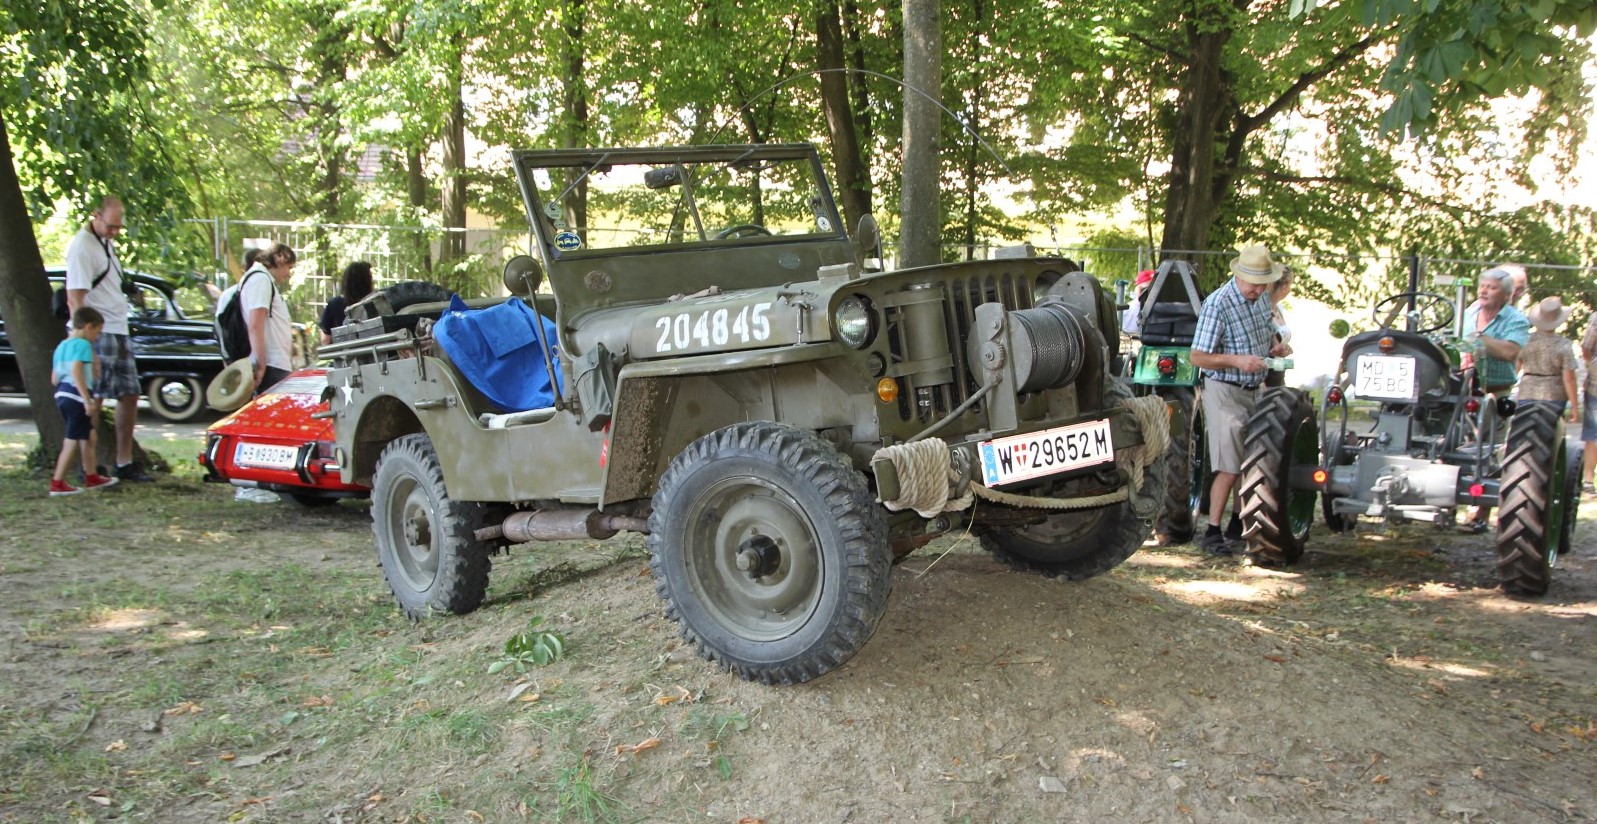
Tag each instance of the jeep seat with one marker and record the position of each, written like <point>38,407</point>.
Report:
<point>498,350</point>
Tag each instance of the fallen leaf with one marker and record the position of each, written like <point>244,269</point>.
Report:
<point>530,698</point>
<point>315,701</point>
<point>682,695</point>
<point>1276,658</point>
<point>1380,779</point>
<point>100,797</point>
<point>518,690</point>
<point>475,816</point>
<point>1536,727</point>
<point>1183,809</point>
<point>751,820</point>
<point>1477,773</point>
<point>314,652</point>
<point>116,746</point>
<point>226,756</point>
<point>645,744</point>
<point>262,800</point>
<point>185,708</point>
<point>261,758</point>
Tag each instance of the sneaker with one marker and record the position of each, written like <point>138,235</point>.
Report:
<point>1587,489</point>
<point>255,496</point>
<point>132,472</point>
<point>62,488</point>
<point>1233,530</point>
<point>1215,544</point>
<point>1470,526</point>
<point>97,482</point>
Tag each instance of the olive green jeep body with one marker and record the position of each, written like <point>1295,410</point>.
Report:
<point>781,421</point>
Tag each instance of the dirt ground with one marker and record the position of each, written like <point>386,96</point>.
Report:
<point>1381,679</point>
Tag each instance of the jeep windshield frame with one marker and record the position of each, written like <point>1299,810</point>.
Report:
<point>678,220</point>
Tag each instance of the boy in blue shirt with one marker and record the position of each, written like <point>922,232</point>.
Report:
<point>73,372</point>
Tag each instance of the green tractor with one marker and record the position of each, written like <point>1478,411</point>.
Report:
<point>1436,444</point>
<point>1163,366</point>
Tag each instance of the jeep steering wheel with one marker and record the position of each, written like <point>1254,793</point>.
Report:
<point>742,230</point>
<point>1428,306</point>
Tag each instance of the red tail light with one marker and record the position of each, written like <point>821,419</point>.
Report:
<point>1333,395</point>
<point>1167,365</point>
<point>1472,406</point>
<point>1477,490</point>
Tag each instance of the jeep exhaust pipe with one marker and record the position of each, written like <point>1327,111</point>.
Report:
<point>561,525</point>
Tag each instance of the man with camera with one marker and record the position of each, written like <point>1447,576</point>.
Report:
<point>94,278</point>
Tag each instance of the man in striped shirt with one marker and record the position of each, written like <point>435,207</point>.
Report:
<point>1235,334</point>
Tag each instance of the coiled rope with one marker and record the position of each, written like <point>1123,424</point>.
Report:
<point>927,480</point>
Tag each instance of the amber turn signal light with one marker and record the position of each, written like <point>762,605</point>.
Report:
<point>1386,343</point>
<point>1320,476</point>
<point>887,390</point>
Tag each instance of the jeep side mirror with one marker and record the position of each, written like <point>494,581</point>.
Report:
<point>523,275</point>
<point>868,243</point>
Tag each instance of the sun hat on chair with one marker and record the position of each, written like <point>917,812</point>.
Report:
<point>1549,314</point>
<point>1254,265</point>
<point>232,386</point>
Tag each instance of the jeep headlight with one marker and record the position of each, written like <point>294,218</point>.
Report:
<point>855,322</point>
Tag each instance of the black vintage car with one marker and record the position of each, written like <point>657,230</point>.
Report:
<point>177,355</point>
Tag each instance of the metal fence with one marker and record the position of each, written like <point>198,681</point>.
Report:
<point>396,253</point>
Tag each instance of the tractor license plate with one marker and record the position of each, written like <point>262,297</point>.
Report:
<point>1384,377</point>
<point>1036,454</point>
<point>264,455</point>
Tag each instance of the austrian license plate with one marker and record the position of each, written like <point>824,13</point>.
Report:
<point>264,455</point>
<point>1036,454</point>
<point>1384,377</point>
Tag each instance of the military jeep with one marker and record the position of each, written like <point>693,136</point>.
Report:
<point>739,385</point>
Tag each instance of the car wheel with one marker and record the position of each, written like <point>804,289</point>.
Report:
<point>175,399</point>
<point>769,552</point>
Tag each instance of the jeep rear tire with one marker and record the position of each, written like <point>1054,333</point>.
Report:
<point>1536,501</point>
<point>769,552</point>
<point>1281,433</point>
<point>1081,543</point>
<point>425,541</point>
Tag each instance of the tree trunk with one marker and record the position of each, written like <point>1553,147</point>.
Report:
<point>978,100</point>
<point>853,173</point>
<point>1199,178</point>
<point>25,302</point>
<point>454,184</point>
<point>857,85</point>
<point>575,99</point>
<point>416,191</point>
<point>919,236</point>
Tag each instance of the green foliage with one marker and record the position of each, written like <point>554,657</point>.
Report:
<point>529,648</point>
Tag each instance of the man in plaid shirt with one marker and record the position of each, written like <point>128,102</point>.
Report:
<point>1235,334</point>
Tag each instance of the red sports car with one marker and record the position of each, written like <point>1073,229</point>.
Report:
<point>276,442</point>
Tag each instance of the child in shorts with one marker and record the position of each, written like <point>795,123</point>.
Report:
<point>73,372</point>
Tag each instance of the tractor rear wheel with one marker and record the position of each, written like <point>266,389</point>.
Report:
<point>1281,434</point>
<point>1538,497</point>
<point>1175,523</point>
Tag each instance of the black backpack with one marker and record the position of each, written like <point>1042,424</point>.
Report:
<point>232,330</point>
<point>58,299</point>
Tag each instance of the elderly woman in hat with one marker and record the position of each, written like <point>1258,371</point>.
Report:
<point>1547,361</point>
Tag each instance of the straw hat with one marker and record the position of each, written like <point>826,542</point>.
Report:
<point>1549,314</point>
<point>1254,265</point>
<point>232,386</point>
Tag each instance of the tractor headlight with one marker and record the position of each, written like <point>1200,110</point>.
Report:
<point>855,322</point>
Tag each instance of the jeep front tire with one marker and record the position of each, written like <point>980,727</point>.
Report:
<point>769,552</point>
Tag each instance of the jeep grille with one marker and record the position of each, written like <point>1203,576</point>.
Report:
<point>928,399</point>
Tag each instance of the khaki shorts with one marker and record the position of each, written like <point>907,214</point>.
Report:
<point>1225,411</point>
